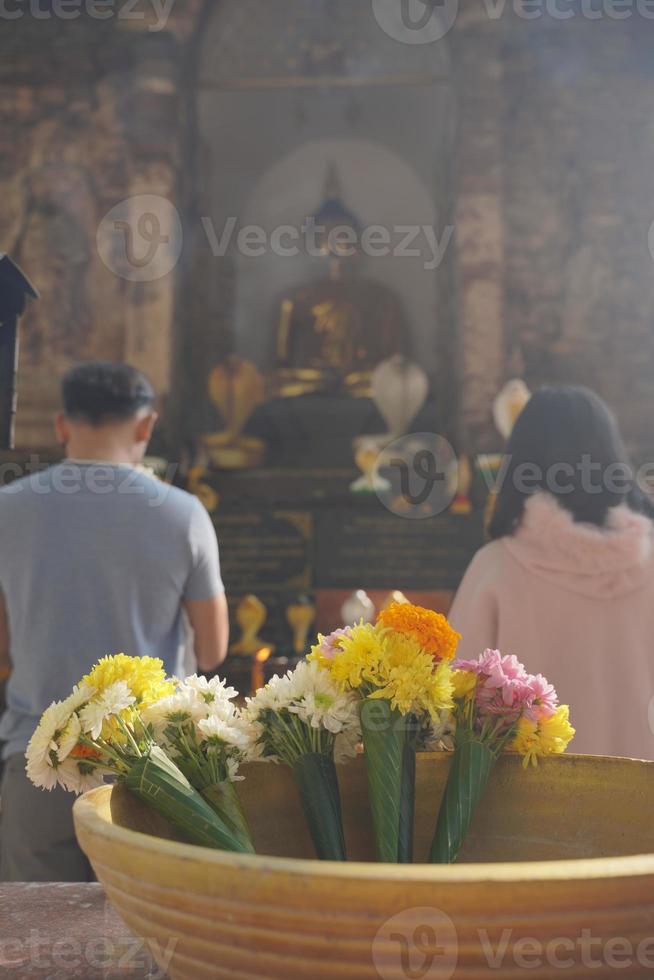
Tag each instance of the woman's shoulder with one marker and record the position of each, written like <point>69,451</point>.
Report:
<point>490,555</point>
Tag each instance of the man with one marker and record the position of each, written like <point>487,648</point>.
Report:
<point>96,558</point>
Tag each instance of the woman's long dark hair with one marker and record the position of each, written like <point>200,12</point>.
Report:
<point>566,441</point>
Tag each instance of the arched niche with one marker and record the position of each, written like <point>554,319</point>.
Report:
<point>281,91</point>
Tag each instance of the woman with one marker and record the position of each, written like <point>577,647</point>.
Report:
<point>567,582</point>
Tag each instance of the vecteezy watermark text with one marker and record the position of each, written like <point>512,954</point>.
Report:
<point>141,238</point>
<point>314,239</point>
<point>423,942</point>
<point>427,21</point>
<point>70,478</point>
<point>155,13</point>
<point>419,476</point>
<point>100,955</point>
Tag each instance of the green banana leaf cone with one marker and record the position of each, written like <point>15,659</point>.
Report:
<point>317,783</point>
<point>161,785</point>
<point>407,803</point>
<point>471,768</point>
<point>223,800</point>
<point>385,742</point>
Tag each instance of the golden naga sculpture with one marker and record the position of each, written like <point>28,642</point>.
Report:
<point>236,388</point>
<point>300,617</point>
<point>335,331</point>
<point>251,614</point>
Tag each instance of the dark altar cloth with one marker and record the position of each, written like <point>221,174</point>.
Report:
<point>67,932</point>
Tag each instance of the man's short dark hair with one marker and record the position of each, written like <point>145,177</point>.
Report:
<point>100,392</point>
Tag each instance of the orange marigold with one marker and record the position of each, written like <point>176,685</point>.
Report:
<point>429,628</point>
<point>84,752</point>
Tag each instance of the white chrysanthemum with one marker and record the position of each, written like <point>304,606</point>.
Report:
<point>197,698</point>
<point>114,699</point>
<point>277,694</point>
<point>319,703</point>
<point>214,729</point>
<point>209,690</point>
<point>81,694</point>
<point>44,742</point>
<point>69,737</point>
<point>182,705</point>
<point>75,781</point>
<point>42,773</point>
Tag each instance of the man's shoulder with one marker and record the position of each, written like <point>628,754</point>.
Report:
<point>176,499</point>
<point>118,485</point>
<point>20,486</point>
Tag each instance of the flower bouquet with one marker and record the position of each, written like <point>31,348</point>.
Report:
<point>207,738</point>
<point>498,706</point>
<point>101,730</point>
<point>305,721</point>
<point>399,671</point>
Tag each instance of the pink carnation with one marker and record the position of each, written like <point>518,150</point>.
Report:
<point>543,700</point>
<point>330,645</point>
<point>506,689</point>
<point>494,666</point>
<point>503,688</point>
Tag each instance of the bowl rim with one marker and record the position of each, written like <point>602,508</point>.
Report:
<point>86,814</point>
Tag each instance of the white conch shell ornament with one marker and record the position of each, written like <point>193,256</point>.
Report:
<point>399,390</point>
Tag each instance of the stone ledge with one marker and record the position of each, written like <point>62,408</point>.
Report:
<point>67,931</point>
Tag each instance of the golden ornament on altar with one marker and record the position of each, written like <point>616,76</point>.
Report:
<point>366,456</point>
<point>508,405</point>
<point>251,614</point>
<point>300,616</point>
<point>197,485</point>
<point>236,388</point>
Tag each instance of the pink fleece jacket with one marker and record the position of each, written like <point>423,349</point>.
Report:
<point>576,603</point>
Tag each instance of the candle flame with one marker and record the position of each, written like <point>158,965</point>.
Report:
<point>262,655</point>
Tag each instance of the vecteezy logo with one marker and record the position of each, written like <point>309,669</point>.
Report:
<point>140,239</point>
<point>420,475</point>
<point>415,21</point>
<point>419,944</point>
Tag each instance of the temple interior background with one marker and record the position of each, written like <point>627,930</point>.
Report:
<point>526,144</point>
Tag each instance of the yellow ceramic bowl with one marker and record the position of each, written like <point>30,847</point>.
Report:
<point>556,880</point>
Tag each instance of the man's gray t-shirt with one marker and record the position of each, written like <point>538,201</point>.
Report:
<point>95,559</point>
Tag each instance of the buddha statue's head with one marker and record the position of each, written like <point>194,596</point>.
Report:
<point>337,229</point>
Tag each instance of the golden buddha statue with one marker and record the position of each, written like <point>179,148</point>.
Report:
<point>336,330</point>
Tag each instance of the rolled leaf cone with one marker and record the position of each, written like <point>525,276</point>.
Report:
<point>384,733</point>
<point>223,799</point>
<point>407,803</point>
<point>317,783</point>
<point>161,785</point>
<point>471,767</point>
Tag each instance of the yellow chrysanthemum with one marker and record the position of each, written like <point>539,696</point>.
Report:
<point>390,665</point>
<point>549,736</point>
<point>145,677</point>
<point>464,683</point>
<point>359,660</point>
<point>430,629</point>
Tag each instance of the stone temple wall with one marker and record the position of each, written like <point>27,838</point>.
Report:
<point>89,116</point>
<point>555,152</point>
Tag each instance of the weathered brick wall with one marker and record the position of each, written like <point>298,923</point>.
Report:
<point>89,115</point>
<point>63,157</point>
<point>578,158</point>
